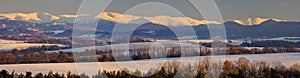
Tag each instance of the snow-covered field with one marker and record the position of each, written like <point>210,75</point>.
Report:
<point>11,44</point>
<point>9,41</point>
<point>287,59</point>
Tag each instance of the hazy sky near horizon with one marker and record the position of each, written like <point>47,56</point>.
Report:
<point>230,9</point>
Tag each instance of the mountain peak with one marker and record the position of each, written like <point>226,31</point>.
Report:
<point>47,17</point>
<point>73,16</point>
<point>278,20</point>
<point>162,20</point>
<point>34,16</point>
<point>272,21</point>
<point>117,17</point>
<point>256,21</point>
<point>238,22</point>
<point>22,16</point>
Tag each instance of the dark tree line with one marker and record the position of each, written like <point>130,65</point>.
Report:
<point>38,54</point>
<point>37,49</point>
<point>36,57</point>
<point>236,49</point>
<point>28,74</point>
<point>152,53</point>
<point>271,43</point>
<point>64,41</point>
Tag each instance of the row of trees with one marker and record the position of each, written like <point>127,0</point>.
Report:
<point>36,49</point>
<point>236,49</point>
<point>64,41</point>
<point>242,68</point>
<point>271,43</point>
<point>121,54</point>
<point>163,52</point>
<point>38,54</point>
<point>36,57</point>
<point>28,74</point>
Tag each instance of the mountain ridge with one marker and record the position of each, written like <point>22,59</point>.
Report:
<point>129,19</point>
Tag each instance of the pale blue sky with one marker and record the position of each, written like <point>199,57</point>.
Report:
<point>230,9</point>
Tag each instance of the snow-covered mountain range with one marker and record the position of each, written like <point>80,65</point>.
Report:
<point>128,19</point>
